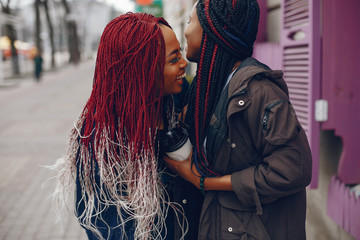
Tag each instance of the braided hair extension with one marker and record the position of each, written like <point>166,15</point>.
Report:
<point>229,32</point>
<point>112,148</point>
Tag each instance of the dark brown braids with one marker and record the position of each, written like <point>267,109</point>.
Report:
<point>229,32</point>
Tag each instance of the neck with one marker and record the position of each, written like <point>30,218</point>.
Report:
<point>160,124</point>
<point>236,65</point>
<point>160,120</point>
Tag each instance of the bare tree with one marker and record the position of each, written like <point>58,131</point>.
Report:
<point>38,26</point>
<point>11,33</point>
<point>38,40</point>
<point>51,33</point>
<point>73,39</point>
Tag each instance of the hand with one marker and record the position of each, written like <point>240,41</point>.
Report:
<point>188,171</point>
<point>185,169</point>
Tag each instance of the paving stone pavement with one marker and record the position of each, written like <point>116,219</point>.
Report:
<point>35,120</point>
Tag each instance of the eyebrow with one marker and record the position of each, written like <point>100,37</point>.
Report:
<point>174,52</point>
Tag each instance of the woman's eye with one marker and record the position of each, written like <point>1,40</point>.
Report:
<point>174,60</point>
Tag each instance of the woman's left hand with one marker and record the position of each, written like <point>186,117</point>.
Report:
<point>188,171</point>
<point>185,169</point>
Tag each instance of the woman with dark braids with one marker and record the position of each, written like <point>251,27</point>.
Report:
<point>251,157</point>
<point>114,158</point>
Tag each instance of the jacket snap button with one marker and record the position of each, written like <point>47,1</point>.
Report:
<point>184,201</point>
<point>233,145</point>
<point>241,102</point>
<point>230,229</point>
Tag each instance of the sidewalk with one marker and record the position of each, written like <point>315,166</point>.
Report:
<point>35,120</point>
<point>15,82</point>
<point>27,69</point>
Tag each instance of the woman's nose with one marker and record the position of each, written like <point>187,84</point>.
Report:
<point>183,63</point>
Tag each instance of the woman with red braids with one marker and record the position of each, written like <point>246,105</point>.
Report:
<point>113,156</point>
<point>251,156</point>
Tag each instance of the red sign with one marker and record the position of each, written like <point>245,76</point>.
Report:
<point>144,2</point>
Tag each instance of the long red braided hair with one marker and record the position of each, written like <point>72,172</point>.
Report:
<point>112,150</point>
<point>128,79</point>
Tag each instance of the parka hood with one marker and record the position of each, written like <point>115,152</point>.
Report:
<point>252,68</point>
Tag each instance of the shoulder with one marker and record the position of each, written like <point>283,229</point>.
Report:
<point>259,92</point>
<point>266,89</point>
<point>253,71</point>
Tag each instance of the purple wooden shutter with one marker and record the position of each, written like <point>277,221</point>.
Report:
<point>300,42</point>
<point>340,85</point>
<point>269,53</point>
<point>343,207</point>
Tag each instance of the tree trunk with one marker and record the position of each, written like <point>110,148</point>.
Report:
<point>38,26</point>
<point>11,33</point>
<point>73,40</point>
<point>51,33</point>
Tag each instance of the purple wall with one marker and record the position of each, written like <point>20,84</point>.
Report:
<point>327,69</point>
<point>341,88</point>
<point>341,81</point>
<point>344,207</point>
<point>261,36</point>
<point>300,40</point>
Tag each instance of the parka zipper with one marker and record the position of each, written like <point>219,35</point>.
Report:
<point>267,112</point>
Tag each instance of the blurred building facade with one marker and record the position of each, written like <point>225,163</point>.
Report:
<point>5,51</point>
<point>91,16</point>
<point>177,12</point>
<point>307,40</point>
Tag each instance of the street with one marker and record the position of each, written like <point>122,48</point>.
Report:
<point>35,120</point>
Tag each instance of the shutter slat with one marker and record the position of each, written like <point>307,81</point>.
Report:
<point>297,62</point>
<point>296,11</point>
<point>296,23</point>
<point>296,57</point>
<point>301,115</point>
<point>296,68</point>
<point>295,75</point>
<point>300,16</point>
<point>301,98</point>
<point>298,91</point>
<point>300,56</point>
<point>296,50</point>
<point>299,86</point>
<point>299,101</point>
<point>293,3</point>
<point>296,80</point>
<point>300,108</point>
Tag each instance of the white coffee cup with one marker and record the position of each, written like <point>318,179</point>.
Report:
<point>182,153</point>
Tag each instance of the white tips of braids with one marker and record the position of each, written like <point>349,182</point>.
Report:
<point>113,172</point>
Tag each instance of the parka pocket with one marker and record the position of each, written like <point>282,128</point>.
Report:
<point>279,122</point>
<point>241,225</point>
